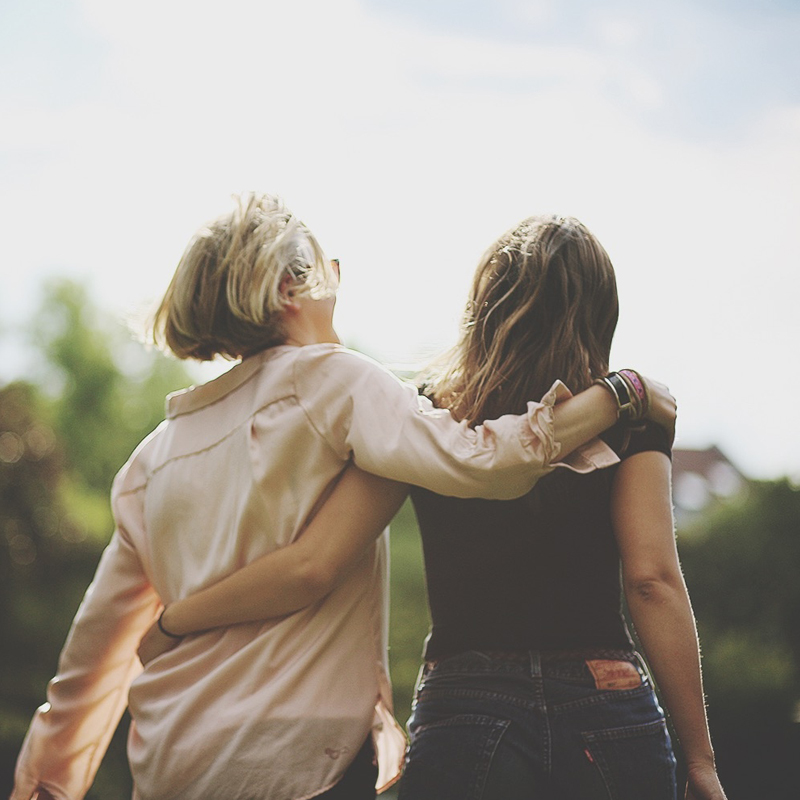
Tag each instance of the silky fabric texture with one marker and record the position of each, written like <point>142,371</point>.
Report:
<point>358,783</point>
<point>262,710</point>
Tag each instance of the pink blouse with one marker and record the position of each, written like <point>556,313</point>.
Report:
<point>275,709</point>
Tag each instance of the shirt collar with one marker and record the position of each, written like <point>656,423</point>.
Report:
<point>194,398</point>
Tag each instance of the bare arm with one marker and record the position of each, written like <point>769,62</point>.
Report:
<point>583,417</point>
<point>589,413</point>
<point>295,576</point>
<point>290,578</point>
<point>660,607</point>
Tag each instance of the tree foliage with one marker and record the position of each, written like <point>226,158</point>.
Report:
<point>105,389</point>
<point>742,570</point>
<point>65,433</point>
<point>741,566</point>
<point>63,436</point>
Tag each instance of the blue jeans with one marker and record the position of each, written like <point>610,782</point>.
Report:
<point>494,727</point>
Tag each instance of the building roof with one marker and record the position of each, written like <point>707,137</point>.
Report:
<point>701,478</point>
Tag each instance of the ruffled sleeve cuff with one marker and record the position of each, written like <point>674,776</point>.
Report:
<point>593,455</point>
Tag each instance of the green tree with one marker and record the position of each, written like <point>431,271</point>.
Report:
<point>106,389</point>
<point>741,566</point>
<point>742,569</point>
<point>62,439</point>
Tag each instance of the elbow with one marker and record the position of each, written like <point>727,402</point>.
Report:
<point>315,580</point>
<point>652,588</point>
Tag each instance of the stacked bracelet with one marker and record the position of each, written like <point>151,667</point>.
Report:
<point>630,392</point>
<point>164,630</point>
<point>639,387</point>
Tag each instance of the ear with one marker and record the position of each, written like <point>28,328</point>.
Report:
<point>286,290</point>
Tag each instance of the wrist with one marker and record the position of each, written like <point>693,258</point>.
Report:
<point>166,623</point>
<point>639,393</point>
<point>704,760</point>
<point>605,405</point>
<point>628,391</point>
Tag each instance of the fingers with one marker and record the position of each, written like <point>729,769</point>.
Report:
<point>663,407</point>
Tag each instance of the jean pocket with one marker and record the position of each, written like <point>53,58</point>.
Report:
<point>634,762</point>
<point>451,670</point>
<point>450,758</point>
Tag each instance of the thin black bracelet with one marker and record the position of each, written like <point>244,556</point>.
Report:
<point>164,630</point>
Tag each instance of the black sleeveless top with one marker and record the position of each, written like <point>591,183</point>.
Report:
<point>540,572</point>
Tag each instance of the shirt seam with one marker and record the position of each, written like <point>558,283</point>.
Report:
<point>260,368</point>
<point>308,413</point>
<point>155,470</point>
<point>219,399</point>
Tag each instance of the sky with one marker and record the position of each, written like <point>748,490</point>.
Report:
<point>409,134</point>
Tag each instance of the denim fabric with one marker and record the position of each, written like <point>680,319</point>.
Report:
<point>489,728</point>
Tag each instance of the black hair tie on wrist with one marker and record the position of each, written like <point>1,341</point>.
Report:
<point>165,631</point>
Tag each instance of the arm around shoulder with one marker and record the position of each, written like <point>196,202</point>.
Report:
<point>364,411</point>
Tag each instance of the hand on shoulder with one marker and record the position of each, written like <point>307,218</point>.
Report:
<point>662,408</point>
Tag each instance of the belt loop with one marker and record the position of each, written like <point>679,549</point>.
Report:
<point>536,663</point>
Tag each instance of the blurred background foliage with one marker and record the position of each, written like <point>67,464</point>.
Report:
<point>93,394</point>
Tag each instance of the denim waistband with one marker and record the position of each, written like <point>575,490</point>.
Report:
<point>533,663</point>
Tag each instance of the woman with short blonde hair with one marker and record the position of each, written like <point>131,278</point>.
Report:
<point>225,298</point>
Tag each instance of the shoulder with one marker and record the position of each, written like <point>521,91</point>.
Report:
<point>135,472</point>
<point>649,437</point>
<point>338,367</point>
<point>627,441</point>
<point>316,356</point>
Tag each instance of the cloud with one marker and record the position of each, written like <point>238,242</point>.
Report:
<point>408,149</point>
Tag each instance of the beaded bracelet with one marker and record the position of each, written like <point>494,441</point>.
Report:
<point>639,387</point>
<point>630,405</point>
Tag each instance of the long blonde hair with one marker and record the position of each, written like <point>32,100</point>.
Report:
<point>225,297</point>
<point>543,305</point>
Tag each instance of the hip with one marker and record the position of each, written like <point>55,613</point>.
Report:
<point>507,725</point>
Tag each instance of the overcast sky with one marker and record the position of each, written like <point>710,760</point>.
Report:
<point>409,134</point>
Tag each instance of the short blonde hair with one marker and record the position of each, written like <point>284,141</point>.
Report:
<point>225,297</point>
